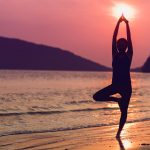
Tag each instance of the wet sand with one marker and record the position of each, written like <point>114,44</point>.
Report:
<point>134,136</point>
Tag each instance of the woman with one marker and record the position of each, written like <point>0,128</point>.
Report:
<point>122,52</point>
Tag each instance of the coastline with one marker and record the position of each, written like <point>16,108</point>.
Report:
<point>134,136</point>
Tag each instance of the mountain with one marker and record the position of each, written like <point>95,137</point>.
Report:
<point>19,54</point>
<point>146,66</point>
<point>138,69</point>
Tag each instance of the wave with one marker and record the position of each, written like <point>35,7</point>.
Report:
<point>138,120</point>
<point>70,128</point>
<point>54,112</point>
<point>65,111</point>
<point>79,102</point>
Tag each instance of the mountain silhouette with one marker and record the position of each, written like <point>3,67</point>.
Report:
<point>19,54</point>
<point>146,66</point>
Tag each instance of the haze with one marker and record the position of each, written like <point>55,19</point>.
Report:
<point>84,27</point>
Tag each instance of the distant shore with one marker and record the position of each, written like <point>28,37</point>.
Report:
<point>132,70</point>
<point>32,56</point>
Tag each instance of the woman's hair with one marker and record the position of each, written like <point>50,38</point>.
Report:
<point>122,44</point>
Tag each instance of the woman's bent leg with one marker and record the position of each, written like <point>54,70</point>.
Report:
<point>104,94</point>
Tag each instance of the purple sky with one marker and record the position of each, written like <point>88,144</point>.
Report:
<point>84,27</point>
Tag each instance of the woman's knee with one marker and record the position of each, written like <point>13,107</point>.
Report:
<point>95,97</point>
<point>99,97</point>
<point>103,94</point>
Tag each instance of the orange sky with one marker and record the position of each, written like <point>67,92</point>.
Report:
<point>84,27</point>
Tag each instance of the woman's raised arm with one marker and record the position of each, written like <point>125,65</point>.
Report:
<point>114,40</point>
<point>130,47</point>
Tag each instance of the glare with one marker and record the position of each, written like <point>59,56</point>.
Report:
<point>127,144</point>
<point>125,9</point>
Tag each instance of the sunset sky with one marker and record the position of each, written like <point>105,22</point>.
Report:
<point>84,27</point>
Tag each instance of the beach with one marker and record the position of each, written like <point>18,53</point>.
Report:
<point>44,110</point>
<point>135,136</point>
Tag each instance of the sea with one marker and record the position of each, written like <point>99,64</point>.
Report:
<point>52,101</point>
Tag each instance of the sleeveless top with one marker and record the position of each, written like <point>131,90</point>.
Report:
<point>121,70</point>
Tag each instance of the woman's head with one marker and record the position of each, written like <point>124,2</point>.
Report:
<point>122,44</point>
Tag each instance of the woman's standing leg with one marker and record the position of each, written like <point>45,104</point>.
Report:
<point>123,104</point>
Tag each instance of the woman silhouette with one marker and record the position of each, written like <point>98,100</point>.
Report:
<point>121,81</point>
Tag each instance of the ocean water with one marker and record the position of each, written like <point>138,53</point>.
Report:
<point>51,101</point>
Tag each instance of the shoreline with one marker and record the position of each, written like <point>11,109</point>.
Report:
<point>134,136</point>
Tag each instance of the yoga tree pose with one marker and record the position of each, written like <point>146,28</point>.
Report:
<point>122,52</point>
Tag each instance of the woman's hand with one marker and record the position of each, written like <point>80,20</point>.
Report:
<point>124,19</point>
<point>120,19</point>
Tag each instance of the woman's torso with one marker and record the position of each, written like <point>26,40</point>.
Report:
<point>121,70</point>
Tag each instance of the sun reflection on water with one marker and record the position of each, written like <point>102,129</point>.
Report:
<point>127,144</point>
<point>124,143</point>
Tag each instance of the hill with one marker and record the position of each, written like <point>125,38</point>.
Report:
<point>19,54</point>
<point>146,66</point>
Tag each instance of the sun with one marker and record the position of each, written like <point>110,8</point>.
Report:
<point>125,9</point>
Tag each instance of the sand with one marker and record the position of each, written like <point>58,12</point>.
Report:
<point>135,136</point>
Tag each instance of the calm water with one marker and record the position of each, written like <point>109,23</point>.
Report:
<point>41,101</point>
